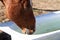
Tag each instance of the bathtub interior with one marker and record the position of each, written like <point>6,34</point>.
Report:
<point>44,23</point>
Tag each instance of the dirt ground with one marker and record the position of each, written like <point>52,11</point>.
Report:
<point>44,6</point>
<point>39,7</point>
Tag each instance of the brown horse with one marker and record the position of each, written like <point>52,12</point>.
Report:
<point>20,12</point>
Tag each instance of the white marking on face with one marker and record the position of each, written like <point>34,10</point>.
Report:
<point>27,31</point>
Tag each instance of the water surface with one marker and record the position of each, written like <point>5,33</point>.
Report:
<point>44,23</point>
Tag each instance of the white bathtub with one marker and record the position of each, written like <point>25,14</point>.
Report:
<point>47,28</point>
